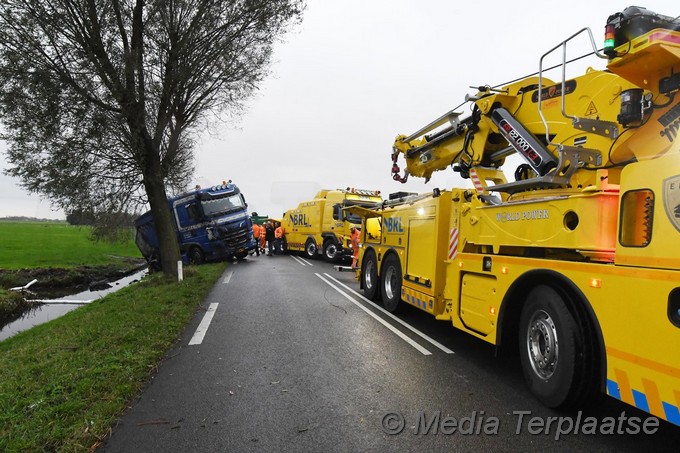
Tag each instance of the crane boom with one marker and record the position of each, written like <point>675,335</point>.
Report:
<point>578,125</point>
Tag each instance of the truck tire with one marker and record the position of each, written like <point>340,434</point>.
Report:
<point>196,256</point>
<point>310,248</point>
<point>154,261</point>
<point>554,360</point>
<point>390,287</point>
<point>370,281</point>
<point>331,252</point>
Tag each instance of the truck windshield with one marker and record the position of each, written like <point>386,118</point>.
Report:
<point>222,205</point>
<point>353,218</point>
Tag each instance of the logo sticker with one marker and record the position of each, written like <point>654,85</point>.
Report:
<point>554,91</point>
<point>671,199</point>
<point>393,225</point>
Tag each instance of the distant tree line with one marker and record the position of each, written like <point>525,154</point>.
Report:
<point>27,219</point>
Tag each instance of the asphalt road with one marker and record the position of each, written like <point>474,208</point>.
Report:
<point>295,360</point>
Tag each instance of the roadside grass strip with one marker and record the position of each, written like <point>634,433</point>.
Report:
<point>63,384</point>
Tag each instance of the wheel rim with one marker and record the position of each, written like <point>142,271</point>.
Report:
<point>368,273</point>
<point>311,249</point>
<point>331,251</point>
<point>390,282</point>
<point>542,344</point>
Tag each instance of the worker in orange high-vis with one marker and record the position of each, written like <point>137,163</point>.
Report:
<point>355,240</point>
<point>257,231</point>
<point>278,239</point>
<point>263,238</point>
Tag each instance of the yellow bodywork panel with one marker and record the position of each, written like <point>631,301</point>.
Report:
<point>656,215</point>
<point>420,266</point>
<point>583,221</point>
<point>325,216</point>
<point>479,302</point>
<point>302,223</point>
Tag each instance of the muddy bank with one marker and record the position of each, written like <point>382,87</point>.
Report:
<point>56,282</point>
<point>12,307</point>
<point>59,282</point>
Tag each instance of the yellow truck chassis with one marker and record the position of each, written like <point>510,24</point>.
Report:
<point>576,263</point>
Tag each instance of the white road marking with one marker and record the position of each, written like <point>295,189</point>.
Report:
<point>394,330</point>
<point>301,261</point>
<point>203,326</point>
<point>306,262</point>
<point>227,278</point>
<point>405,324</point>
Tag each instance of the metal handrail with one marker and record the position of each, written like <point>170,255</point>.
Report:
<point>563,44</point>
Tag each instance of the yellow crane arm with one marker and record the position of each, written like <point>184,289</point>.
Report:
<point>563,131</point>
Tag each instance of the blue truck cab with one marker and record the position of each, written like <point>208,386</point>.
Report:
<point>212,224</point>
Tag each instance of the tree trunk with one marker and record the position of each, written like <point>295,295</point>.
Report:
<point>163,221</point>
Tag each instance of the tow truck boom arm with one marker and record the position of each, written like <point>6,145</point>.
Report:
<point>579,124</point>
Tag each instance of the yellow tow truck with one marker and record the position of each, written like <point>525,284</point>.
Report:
<point>574,264</point>
<point>321,226</point>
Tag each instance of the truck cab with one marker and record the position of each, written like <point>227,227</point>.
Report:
<point>212,224</point>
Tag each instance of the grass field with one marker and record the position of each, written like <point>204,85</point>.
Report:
<point>45,244</point>
<point>63,384</point>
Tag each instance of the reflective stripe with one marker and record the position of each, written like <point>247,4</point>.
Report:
<point>418,299</point>
<point>648,401</point>
<point>453,243</point>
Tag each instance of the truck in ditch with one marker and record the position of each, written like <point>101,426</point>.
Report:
<point>212,224</point>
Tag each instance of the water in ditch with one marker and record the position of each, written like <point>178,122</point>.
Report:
<point>50,309</point>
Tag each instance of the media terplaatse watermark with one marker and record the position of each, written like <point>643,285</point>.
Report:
<point>522,422</point>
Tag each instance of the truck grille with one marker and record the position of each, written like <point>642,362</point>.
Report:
<point>235,238</point>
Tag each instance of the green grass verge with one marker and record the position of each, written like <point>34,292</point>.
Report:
<point>12,305</point>
<point>63,384</point>
<point>45,244</point>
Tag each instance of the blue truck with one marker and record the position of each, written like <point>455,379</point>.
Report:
<point>212,224</point>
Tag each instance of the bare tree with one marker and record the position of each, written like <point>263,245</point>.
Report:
<point>101,100</point>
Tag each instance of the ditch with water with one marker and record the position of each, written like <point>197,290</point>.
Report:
<point>48,309</point>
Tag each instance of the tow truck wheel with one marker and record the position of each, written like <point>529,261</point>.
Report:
<point>549,347</point>
<point>330,251</point>
<point>310,248</point>
<point>370,281</point>
<point>196,256</point>
<point>391,284</point>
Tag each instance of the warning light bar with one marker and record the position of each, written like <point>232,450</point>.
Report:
<point>609,41</point>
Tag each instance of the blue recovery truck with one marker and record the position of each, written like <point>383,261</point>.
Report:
<point>212,224</point>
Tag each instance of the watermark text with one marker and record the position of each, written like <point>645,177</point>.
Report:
<point>522,422</point>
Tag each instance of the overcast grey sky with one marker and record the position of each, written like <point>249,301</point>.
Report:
<point>357,73</point>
